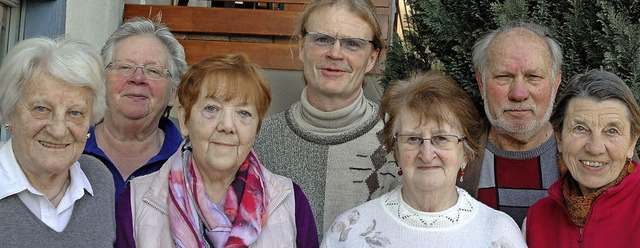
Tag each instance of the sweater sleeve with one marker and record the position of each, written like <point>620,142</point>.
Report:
<point>124,220</point>
<point>507,233</point>
<point>307,234</point>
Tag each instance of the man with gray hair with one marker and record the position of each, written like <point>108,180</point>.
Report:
<point>518,70</point>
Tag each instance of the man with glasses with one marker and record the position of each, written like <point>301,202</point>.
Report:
<point>327,141</point>
<point>144,63</point>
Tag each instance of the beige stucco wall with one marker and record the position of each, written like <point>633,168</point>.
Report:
<point>93,20</point>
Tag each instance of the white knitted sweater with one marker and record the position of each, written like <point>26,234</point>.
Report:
<point>388,221</point>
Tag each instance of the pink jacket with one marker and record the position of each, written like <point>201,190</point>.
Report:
<point>151,223</point>
<point>614,220</point>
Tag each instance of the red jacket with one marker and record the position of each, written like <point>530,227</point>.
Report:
<point>614,220</point>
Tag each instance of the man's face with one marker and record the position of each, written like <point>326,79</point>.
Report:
<point>518,87</point>
<point>332,71</point>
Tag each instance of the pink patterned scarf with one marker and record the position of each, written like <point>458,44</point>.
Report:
<point>197,222</point>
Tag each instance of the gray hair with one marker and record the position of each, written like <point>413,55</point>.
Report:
<point>481,48</point>
<point>72,61</point>
<point>141,26</point>
<point>598,86</point>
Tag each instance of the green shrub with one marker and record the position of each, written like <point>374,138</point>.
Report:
<point>593,35</point>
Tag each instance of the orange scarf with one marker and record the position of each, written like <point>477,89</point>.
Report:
<point>580,205</point>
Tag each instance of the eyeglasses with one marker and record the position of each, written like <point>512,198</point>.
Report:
<point>153,72</point>
<point>350,44</point>
<point>441,142</point>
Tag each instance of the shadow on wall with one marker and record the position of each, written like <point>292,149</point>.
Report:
<point>286,87</point>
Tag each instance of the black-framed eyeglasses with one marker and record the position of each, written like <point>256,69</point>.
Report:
<point>150,71</point>
<point>350,44</point>
<point>413,142</point>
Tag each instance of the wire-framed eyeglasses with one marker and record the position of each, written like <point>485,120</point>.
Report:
<point>150,71</point>
<point>413,142</point>
<point>350,44</point>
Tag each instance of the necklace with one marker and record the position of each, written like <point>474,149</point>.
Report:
<point>64,186</point>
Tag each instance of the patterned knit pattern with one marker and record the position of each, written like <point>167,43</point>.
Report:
<point>92,222</point>
<point>389,222</point>
<point>513,181</point>
<point>335,171</point>
<point>463,210</point>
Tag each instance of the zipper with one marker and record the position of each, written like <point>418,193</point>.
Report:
<point>581,231</point>
<point>154,206</point>
<point>281,201</point>
<point>586,221</point>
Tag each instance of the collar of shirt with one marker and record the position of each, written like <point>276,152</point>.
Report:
<point>14,181</point>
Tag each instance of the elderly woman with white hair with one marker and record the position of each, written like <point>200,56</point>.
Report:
<point>50,194</point>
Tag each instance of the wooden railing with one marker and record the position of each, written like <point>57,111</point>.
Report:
<point>263,34</point>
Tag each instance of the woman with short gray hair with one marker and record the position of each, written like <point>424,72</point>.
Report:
<point>144,63</point>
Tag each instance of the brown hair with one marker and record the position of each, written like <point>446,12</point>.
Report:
<point>228,77</point>
<point>362,8</point>
<point>434,96</point>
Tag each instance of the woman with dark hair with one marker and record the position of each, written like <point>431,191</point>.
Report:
<point>595,202</point>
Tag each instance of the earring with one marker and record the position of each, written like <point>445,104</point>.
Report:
<point>399,174</point>
<point>461,174</point>
<point>7,126</point>
<point>88,135</point>
<point>631,167</point>
<point>561,166</point>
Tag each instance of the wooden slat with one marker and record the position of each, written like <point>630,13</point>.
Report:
<point>376,3</point>
<point>381,3</point>
<point>383,18</point>
<point>228,20</point>
<point>218,20</point>
<point>212,31</point>
<point>281,56</point>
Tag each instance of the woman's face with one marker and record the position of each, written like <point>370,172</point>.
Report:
<point>49,125</point>
<point>137,97</point>
<point>426,168</point>
<point>221,133</point>
<point>596,141</point>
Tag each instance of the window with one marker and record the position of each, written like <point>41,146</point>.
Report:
<point>10,26</point>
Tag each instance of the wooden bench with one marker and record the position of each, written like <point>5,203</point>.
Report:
<point>263,34</point>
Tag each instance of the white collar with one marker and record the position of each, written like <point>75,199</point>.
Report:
<point>13,180</point>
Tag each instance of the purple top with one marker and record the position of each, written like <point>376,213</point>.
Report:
<point>307,234</point>
<point>172,141</point>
